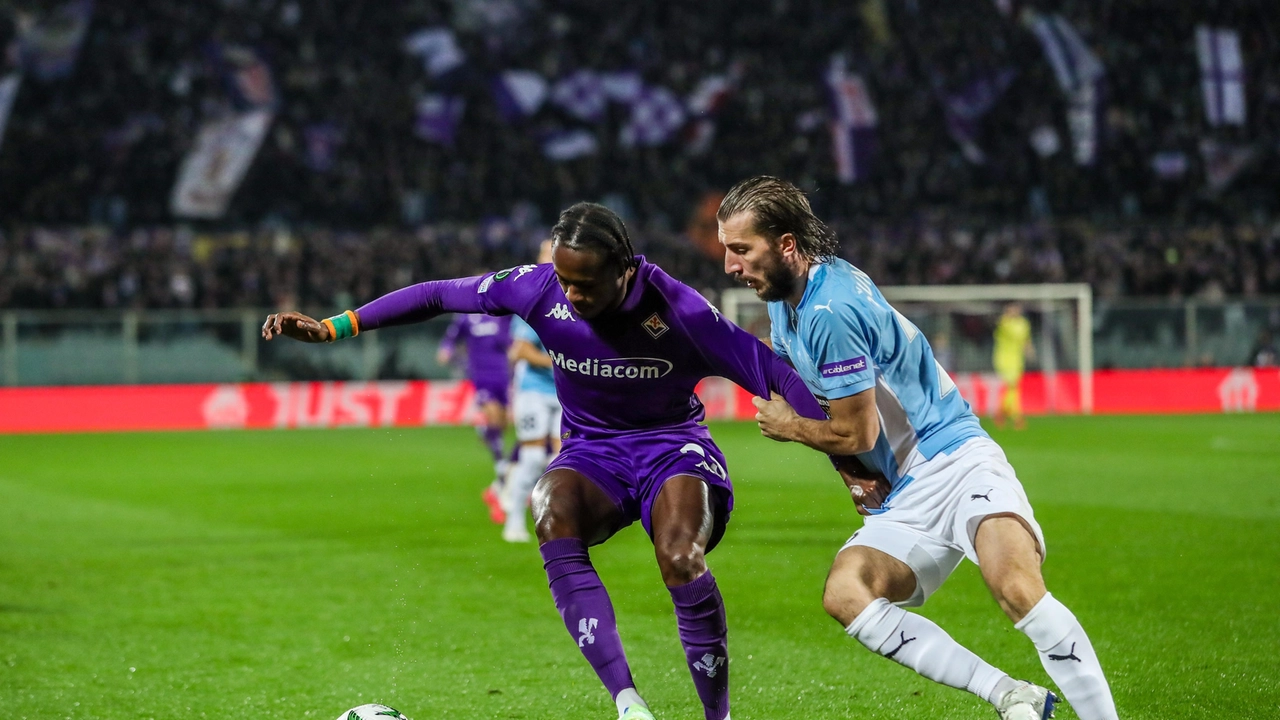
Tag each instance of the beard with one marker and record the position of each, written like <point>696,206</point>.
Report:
<point>779,283</point>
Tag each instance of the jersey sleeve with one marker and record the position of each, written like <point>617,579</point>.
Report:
<point>841,348</point>
<point>494,294</point>
<point>734,353</point>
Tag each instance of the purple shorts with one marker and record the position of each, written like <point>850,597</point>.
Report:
<point>632,468</point>
<point>491,388</point>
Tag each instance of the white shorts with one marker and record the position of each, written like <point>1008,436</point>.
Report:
<point>537,415</point>
<point>931,524</point>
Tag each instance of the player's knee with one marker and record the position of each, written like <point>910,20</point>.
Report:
<point>551,521</point>
<point>1017,593</point>
<point>850,588</point>
<point>680,562</point>
<point>862,575</point>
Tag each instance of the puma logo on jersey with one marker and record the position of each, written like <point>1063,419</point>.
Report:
<point>904,640</point>
<point>1071,655</point>
<point>561,312</point>
<point>986,497</point>
<point>826,307</point>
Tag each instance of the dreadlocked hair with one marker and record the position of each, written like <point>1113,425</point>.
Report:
<point>594,227</point>
<point>777,207</point>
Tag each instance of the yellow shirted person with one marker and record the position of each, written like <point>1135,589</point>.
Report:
<point>1013,348</point>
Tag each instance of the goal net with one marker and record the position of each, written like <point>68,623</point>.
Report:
<point>960,322</point>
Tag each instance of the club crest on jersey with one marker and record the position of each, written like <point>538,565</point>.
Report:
<point>655,326</point>
<point>561,312</point>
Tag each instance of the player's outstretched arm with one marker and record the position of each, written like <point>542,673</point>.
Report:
<point>295,325</point>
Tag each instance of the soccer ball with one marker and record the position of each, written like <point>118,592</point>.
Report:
<point>372,711</point>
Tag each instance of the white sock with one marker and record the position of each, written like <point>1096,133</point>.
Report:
<point>1068,657</point>
<point>530,463</point>
<point>627,698</point>
<point>918,643</point>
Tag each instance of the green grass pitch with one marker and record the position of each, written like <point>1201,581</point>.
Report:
<point>296,574</point>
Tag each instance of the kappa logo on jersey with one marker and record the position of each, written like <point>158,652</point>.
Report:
<point>522,271</point>
<point>844,367</point>
<point>655,326</point>
<point>709,664</point>
<point>633,368</point>
<point>714,310</point>
<point>561,312</point>
<point>585,626</point>
<point>709,464</point>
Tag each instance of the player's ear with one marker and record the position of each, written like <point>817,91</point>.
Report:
<point>786,244</point>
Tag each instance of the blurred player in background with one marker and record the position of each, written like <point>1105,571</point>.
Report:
<point>953,494</point>
<point>537,418</point>
<point>486,340</point>
<point>629,345</point>
<point>1013,349</point>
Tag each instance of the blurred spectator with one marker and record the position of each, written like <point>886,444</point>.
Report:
<point>104,144</point>
<point>343,200</point>
<point>1264,353</point>
<point>162,267</point>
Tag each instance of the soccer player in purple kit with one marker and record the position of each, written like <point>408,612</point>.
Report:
<point>629,344</point>
<point>487,340</point>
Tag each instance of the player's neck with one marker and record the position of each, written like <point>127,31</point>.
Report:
<point>800,270</point>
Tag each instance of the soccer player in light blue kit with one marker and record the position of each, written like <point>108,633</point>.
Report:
<point>537,414</point>
<point>950,492</point>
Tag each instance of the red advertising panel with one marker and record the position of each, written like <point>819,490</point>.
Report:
<point>419,402</point>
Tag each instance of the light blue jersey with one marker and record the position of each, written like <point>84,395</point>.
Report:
<point>845,338</point>
<point>529,378</point>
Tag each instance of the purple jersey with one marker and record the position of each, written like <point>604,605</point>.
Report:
<point>633,368</point>
<point>487,339</point>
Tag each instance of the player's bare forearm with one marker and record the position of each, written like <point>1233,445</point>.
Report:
<point>818,434</point>
<point>853,428</point>
<point>524,350</point>
<point>295,325</point>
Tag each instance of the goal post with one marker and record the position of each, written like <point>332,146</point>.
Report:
<point>959,320</point>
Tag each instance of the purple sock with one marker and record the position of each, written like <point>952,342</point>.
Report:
<point>492,437</point>
<point>584,605</point>
<point>704,634</point>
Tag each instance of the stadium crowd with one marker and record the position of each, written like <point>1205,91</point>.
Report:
<point>88,161</point>
<point>165,268</point>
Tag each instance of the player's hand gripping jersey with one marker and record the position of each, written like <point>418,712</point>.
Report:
<point>845,338</point>
<point>634,368</point>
